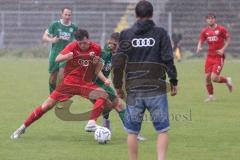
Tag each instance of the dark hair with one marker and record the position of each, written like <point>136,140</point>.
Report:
<point>115,36</point>
<point>144,9</point>
<point>68,8</point>
<point>212,15</point>
<point>80,34</point>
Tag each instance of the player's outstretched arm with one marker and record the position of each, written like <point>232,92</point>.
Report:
<point>100,75</point>
<point>64,57</point>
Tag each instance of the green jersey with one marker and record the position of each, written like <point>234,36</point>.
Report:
<point>66,35</point>
<point>106,56</point>
<point>64,32</point>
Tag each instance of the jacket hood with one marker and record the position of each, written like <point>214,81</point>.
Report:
<point>143,26</point>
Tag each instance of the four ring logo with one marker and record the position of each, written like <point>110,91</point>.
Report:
<point>212,39</point>
<point>143,42</point>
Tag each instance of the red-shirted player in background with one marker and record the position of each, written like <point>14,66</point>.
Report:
<point>81,56</point>
<point>218,40</point>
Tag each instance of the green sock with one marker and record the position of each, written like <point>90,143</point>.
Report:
<point>121,115</point>
<point>51,87</point>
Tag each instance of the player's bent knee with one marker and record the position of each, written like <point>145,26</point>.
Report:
<point>98,93</point>
<point>108,104</point>
<point>214,78</point>
<point>48,104</point>
<point>115,102</point>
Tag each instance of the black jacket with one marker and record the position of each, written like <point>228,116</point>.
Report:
<point>145,51</point>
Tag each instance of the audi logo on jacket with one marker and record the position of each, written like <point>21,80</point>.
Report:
<point>142,45</point>
<point>143,42</point>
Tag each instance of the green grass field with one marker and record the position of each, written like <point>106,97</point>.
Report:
<point>199,131</point>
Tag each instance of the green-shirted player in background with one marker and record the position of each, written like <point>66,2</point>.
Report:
<point>59,33</point>
<point>106,56</point>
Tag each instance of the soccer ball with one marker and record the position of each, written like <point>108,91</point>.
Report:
<point>102,135</point>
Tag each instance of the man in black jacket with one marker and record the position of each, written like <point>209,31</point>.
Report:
<point>145,56</point>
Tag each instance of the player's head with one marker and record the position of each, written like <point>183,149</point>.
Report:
<point>82,36</point>
<point>144,9</point>
<point>113,41</point>
<point>66,15</point>
<point>211,19</point>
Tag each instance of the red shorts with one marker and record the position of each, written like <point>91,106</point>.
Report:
<point>65,91</point>
<point>214,65</point>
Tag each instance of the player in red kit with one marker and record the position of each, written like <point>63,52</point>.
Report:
<point>83,63</point>
<point>218,40</point>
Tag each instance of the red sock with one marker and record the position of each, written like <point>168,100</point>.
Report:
<point>210,89</point>
<point>222,80</point>
<point>36,114</point>
<point>97,109</point>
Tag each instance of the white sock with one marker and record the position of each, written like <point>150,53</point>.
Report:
<point>22,127</point>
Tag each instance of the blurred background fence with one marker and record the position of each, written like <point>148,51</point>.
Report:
<point>22,22</point>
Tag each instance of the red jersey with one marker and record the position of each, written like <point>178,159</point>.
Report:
<point>76,68</point>
<point>215,38</point>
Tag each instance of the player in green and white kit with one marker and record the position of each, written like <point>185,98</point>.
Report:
<point>59,33</point>
<point>106,56</point>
